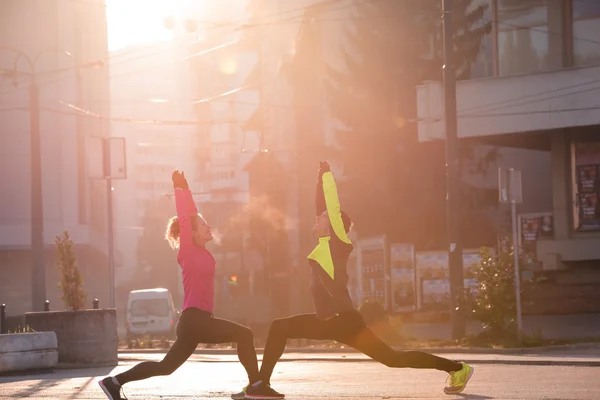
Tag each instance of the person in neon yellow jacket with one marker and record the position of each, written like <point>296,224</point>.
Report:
<point>335,317</point>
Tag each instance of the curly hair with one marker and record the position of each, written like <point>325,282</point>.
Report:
<point>173,230</point>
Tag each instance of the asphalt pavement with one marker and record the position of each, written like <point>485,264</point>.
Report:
<point>323,376</point>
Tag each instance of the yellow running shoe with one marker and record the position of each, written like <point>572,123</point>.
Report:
<point>459,379</point>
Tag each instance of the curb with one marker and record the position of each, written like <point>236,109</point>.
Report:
<point>566,363</point>
<point>36,371</point>
<point>436,350</point>
<point>107,364</point>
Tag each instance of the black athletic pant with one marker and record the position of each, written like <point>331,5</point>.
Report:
<point>348,328</point>
<point>196,326</point>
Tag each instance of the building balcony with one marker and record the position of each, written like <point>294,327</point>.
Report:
<point>508,105</point>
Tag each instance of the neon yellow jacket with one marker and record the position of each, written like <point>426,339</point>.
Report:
<point>329,258</point>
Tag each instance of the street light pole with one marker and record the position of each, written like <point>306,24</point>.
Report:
<point>38,271</point>
<point>455,262</point>
<point>109,219</point>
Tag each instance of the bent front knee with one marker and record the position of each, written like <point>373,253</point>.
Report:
<point>278,325</point>
<point>245,336</point>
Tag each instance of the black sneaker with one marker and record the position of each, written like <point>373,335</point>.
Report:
<point>110,388</point>
<point>241,395</point>
<point>263,392</point>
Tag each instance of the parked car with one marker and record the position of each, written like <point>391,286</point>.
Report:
<point>151,312</point>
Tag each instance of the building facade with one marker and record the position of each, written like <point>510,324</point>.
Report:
<point>66,81</point>
<point>540,93</point>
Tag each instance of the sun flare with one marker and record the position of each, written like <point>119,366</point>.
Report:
<point>134,22</point>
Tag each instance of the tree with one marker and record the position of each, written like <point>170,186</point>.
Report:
<point>157,262</point>
<point>264,219</point>
<point>392,46</point>
<point>71,283</point>
<point>493,300</point>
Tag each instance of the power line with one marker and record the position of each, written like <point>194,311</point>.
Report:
<point>344,6</point>
<point>84,112</point>
<point>155,53</point>
<point>516,104</point>
<point>240,25</point>
<point>558,110</point>
<point>518,100</point>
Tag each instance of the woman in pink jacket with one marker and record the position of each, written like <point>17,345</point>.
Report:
<point>189,232</point>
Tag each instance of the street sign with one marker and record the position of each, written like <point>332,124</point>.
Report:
<point>509,186</point>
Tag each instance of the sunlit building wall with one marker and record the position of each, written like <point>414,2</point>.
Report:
<point>71,201</point>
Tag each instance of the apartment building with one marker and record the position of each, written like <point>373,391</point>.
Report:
<point>68,52</point>
<point>152,103</point>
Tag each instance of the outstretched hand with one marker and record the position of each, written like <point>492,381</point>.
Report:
<point>179,180</point>
<point>324,167</point>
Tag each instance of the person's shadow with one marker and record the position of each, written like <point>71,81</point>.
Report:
<point>473,396</point>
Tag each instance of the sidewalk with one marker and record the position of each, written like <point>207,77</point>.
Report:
<point>551,326</point>
<point>437,350</point>
<point>314,380</point>
<point>577,355</point>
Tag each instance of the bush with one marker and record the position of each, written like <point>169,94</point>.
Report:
<point>372,312</point>
<point>377,318</point>
<point>71,283</point>
<point>26,329</point>
<point>494,300</point>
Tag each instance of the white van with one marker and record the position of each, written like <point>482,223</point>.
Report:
<point>150,312</point>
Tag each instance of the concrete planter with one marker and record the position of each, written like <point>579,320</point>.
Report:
<point>28,351</point>
<point>86,338</point>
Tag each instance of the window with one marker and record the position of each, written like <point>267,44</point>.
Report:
<point>149,308</point>
<point>143,204</point>
<point>144,149</point>
<point>586,32</point>
<point>483,66</point>
<point>145,185</point>
<point>523,39</point>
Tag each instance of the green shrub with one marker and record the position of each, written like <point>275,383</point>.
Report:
<point>494,300</point>
<point>71,283</point>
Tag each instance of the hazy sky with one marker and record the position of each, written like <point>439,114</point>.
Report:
<point>134,22</point>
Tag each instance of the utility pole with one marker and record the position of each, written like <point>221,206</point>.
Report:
<point>455,261</point>
<point>38,271</point>
<point>262,149</point>
<point>109,221</point>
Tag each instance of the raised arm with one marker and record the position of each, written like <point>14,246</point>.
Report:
<point>327,191</point>
<point>321,207</point>
<point>186,208</point>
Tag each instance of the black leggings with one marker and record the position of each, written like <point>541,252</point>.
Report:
<point>348,328</point>
<point>194,327</point>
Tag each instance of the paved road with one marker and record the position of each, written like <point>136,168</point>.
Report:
<point>199,379</point>
<point>578,356</point>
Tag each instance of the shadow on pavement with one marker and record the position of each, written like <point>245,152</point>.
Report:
<point>39,387</point>
<point>56,375</point>
<point>83,373</point>
<point>474,396</point>
<point>79,389</point>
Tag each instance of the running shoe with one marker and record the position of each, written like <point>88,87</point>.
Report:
<point>111,389</point>
<point>262,392</point>
<point>458,380</point>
